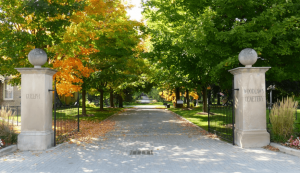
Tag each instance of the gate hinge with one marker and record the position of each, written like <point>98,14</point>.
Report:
<point>235,89</point>
<point>51,90</point>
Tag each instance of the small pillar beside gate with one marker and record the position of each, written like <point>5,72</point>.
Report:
<point>36,104</point>
<point>250,102</point>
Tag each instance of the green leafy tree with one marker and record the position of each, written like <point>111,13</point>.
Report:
<point>30,24</point>
<point>203,38</point>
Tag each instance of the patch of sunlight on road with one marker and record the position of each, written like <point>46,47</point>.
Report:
<point>87,170</point>
<point>263,158</point>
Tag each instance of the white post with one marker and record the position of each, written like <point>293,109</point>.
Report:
<point>36,108</point>
<point>250,102</point>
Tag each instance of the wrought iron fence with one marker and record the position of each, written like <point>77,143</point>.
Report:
<point>221,121</point>
<point>15,117</point>
<point>221,118</point>
<point>9,126</point>
<point>65,122</point>
<point>65,119</point>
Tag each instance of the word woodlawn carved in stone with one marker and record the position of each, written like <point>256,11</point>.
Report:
<point>259,95</point>
<point>33,96</point>
<point>254,91</point>
<point>250,102</point>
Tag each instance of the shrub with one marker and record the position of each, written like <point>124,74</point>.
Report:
<point>7,134</point>
<point>282,118</point>
<point>191,105</point>
<point>90,104</point>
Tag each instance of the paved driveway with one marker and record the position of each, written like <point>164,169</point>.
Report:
<point>177,146</point>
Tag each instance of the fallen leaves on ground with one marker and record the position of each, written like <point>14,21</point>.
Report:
<point>211,135</point>
<point>90,130</point>
<point>269,147</point>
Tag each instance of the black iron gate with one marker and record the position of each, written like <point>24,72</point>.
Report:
<point>221,116</point>
<point>65,118</point>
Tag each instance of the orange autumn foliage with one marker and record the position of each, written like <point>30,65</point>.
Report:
<point>69,75</point>
<point>171,96</point>
<point>71,58</point>
<point>168,95</point>
<point>75,57</point>
<point>194,95</point>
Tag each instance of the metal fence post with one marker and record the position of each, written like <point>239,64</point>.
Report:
<point>208,111</point>
<point>78,110</point>
<point>17,116</point>
<point>233,104</point>
<point>55,112</point>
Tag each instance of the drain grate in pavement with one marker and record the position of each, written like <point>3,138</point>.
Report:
<point>141,152</point>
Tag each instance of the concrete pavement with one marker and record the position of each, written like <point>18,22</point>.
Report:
<point>177,147</point>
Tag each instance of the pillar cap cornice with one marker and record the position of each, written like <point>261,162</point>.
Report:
<point>36,71</point>
<point>241,70</point>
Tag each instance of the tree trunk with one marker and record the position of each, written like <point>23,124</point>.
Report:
<point>101,100</point>
<point>120,101</point>
<point>204,89</point>
<point>117,101</point>
<point>111,98</point>
<point>187,98</point>
<point>177,95</point>
<point>218,96</point>
<point>83,102</point>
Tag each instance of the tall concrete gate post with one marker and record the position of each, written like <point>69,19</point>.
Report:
<point>36,104</point>
<point>250,102</point>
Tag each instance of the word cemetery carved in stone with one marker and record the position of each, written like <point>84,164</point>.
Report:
<point>254,99</point>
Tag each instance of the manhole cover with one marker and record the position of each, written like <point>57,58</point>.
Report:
<point>141,152</point>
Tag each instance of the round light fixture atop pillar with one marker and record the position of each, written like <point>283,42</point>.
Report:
<point>37,57</point>
<point>248,57</point>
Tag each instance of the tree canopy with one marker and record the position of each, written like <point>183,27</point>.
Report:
<point>201,40</point>
<point>80,38</point>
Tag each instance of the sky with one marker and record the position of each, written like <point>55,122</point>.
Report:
<point>136,12</point>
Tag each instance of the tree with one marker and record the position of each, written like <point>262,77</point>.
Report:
<point>206,37</point>
<point>117,61</point>
<point>26,25</point>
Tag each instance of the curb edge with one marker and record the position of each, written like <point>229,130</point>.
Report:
<point>286,150</point>
<point>8,150</point>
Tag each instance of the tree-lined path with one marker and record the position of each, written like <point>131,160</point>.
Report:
<point>177,146</point>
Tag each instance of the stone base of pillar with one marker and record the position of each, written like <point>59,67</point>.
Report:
<point>250,139</point>
<point>35,140</point>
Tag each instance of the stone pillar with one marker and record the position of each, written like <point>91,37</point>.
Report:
<point>36,108</point>
<point>250,102</point>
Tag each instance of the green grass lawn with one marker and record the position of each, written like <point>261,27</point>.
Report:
<point>219,123</point>
<point>69,114</point>
<point>72,114</point>
<point>219,120</point>
<point>100,115</point>
<point>192,116</point>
